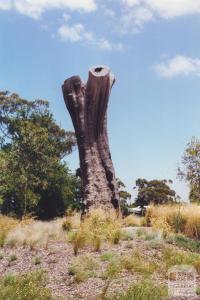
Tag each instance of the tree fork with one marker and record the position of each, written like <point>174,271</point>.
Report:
<point>87,105</point>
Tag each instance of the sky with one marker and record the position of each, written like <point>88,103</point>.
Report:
<point>152,47</point>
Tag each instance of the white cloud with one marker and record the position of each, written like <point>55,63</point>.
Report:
<point>35,8</point>
<point>174,8</point>
<point>138,12</point>
<point>77,33</point>
<point>179,65</point>
<point>5,4</point>
<point>131,2</point>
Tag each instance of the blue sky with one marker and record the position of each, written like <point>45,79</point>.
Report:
<point>152,46</point>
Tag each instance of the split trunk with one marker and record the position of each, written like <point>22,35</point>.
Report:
<point>87,105</point>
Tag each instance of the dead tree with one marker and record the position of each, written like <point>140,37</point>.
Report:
<point>87,105</point>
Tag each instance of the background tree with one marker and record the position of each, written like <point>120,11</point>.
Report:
<point>190,170</point>
<point>154,191</point>
<point>124,196</point>
<point>33,177</point>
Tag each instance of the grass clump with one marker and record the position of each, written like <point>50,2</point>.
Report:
<point>147,235</point>
<point>172,257</point>
<point>36,233</point>
<point>107,256</point>
<point>37,261</point>
<point>6,225</point>
<point>31,286</point>
<point>183,219</point>
<point>113,269</point>
<point>184,242</point>
<point>71,221</point>
<point>82,268</point>
<point>12,258</point>
<point>97,227</point>
<point>146,290</point>
<point>136,263</point>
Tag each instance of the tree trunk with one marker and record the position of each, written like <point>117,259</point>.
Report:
<point>87,105</point>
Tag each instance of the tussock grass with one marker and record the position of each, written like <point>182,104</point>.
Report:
<point>72,221</point>
<point>35,233</point>
<point>107,256</point>
<point>146,290</point>
<point>97,228</point>
<point>175,219</point>
<point>82,268</point>
<point>6,225</point>
<point>172,257</point>
<point>136,263</point>
<point>13,257</point>
<point>30,286</point>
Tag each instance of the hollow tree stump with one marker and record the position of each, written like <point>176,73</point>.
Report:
<point>87,105</point>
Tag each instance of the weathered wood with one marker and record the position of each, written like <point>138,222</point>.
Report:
<point>87,105</point>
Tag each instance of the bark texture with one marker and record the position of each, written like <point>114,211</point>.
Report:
<point>87,105</point>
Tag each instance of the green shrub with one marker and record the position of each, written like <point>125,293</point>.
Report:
<point>31,286</point>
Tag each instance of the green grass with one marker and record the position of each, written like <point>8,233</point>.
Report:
<point>107,256</point>
<point>30,286</point>
<point>184,242</point>
<point>37,261</point>
<point>113,269</point>
<point>13,257</point>
<point>136,263</point>
<point>172,257</point>
<point>146,290</point>
<point>198,290</point>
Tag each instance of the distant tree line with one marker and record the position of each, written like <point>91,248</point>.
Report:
<point>34,177</point>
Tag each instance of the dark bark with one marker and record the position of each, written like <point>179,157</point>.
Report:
<point>87,105</point>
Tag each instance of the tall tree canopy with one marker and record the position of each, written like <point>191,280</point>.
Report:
<point>124,196</point>
<point>154,191</point>
<point>190,170</point>
<point>33,176</point>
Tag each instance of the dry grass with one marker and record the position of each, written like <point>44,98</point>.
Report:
<point>72,221</point>
<point>133,220</point>
<point>172,257</point>
<point>82,268</point>
<point>6,225</point>
<point>98,227</point>
<point>35,233</point>
<point>175,219</point>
